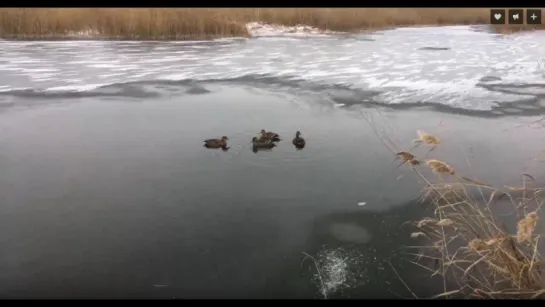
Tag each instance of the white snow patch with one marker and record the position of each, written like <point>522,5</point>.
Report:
<point>266,29</point>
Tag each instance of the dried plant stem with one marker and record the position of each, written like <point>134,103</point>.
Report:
<point>324,290</point>
<point>402,281</point>
<point>468,239</point>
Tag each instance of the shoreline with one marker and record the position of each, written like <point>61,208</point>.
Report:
<point>19,38</point>
<point>289,32</point>
<point>204,24</point>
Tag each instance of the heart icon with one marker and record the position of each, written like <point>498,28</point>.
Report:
<point>497,16</point>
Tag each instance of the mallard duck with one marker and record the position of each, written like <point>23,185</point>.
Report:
<point>269,136</point>
<point>298,141</point>
<point>260,143</point>
<point>215,143</point>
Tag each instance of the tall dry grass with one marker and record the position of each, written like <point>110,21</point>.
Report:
<point>126,23</point>
<point>478,249</point>
<point>196,23</point>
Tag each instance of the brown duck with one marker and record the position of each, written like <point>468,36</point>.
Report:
<point>274,137</point>
<point>216,143</point>
<point>298,141</point>
<point>262,143</point>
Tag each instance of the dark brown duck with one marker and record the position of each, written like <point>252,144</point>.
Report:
<point>298,141</point>
<point>216,143</point>
<point>274,137</point>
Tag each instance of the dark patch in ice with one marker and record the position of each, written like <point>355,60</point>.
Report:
<point>114,90</point>
<point>489,79</point>
<point>366,39</point>
<point>516,89</point>
<point>340,94</point>
<point>512,110</point>
<point>434,48</point>
<point>197,89</point>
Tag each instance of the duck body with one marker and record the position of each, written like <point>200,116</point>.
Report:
<point>262,143</point>
<point>216,143</point>
<point>298,141</point>
<point>274,137</point>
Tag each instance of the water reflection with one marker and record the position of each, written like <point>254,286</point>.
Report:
<point>265,142</point>
<point>257,149</point>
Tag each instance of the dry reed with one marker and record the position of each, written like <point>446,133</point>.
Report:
<point>407,157</point>
<point>468,241</point>
<point>440,167</point>
<point>203,23</point>
<point>427,138</point>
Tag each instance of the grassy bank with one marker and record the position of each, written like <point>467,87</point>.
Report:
<point>203,23</point>
<point>482,240</point>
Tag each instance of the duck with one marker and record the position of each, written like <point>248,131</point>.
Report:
<point>274,137</point>
<point>298,141</point>
<point>216,143</point>
<point>261,143</point>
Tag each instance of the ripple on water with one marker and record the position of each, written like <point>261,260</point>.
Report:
<point>342,270</point>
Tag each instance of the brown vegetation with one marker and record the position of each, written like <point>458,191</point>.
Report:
<point>482,241</point>
<point>201,23</point>
<point>468,242</point>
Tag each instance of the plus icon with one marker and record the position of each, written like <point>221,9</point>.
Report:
<point>533,16</point>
